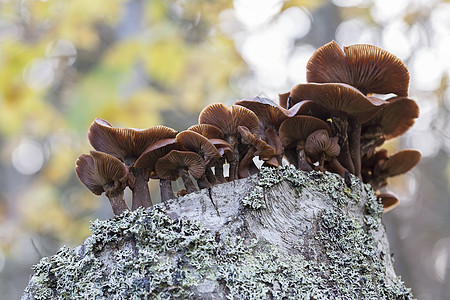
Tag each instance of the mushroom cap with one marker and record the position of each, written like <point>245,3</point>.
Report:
<point>207,130</point>
<point>85,170</point>
<point>168,167</point>
<point>125,142</point>
<point>151,155</point>
<point>270,113</point>
<point>223,147</point>
<point>228,120</point>
<point>368,68</point>
<point>401,162</point>
<point>297,129</point>
<point>320,142</point>
<point>396,117</point>
<point>98,170</point>
<point>283,100</point>
<point>389,201</point>
<point>339,97</point>
<point>199,144</point>
<point>263,150</point>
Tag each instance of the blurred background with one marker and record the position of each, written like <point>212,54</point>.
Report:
<point>141,63</point>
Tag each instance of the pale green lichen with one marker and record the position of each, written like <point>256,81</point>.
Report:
<point>148,255</point>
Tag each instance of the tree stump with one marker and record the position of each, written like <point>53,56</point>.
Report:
<point>280,234</point>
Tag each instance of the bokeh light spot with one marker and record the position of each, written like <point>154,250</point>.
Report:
<point>39,74</point>
<point>28,157</point>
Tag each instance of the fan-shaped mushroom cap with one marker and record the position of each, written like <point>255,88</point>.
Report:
<point>339,97</point>
<point>99,170</point>
<point>85,170</point>
<point>151,155</point>
<point>207,130</point>
<point>297,129</point>
<point>389,201</point>
<point>368,68</point>
<point>396,117</point>
<point>271,114</point>
<point>319,142</point>
<point>169,166</point>
<point>401,162</point>
<point>197,143</point>
<point>228,120</point>
<point>125,142</point>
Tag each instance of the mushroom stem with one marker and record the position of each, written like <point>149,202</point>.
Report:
<point>203,182</point>
<point>141,193</point>
<point>188,184</point>
<point>336,167</point>
<point>117,201</point>
<point>302,163</point>
<point>210,176</point>
<point>274,140</point>
<point>165,186</point>
<point>234,163</point>
<point>218,170</point>
<point>340,127</point>
<point>355,147</point>
<point>244,166</point>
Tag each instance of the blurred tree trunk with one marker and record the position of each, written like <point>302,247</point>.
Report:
<point>280,234</point>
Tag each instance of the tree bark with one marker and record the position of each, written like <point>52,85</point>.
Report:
<point>280,234</point>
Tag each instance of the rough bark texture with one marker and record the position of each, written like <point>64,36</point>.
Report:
<point>281,234</point>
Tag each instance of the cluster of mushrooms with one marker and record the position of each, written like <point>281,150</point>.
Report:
<point>333,123</point>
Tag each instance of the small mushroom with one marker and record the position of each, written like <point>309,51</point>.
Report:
<point>392,121</point>
<point>320,147</point>
<point>228,120</point>
<point>271,115</point>
<point>180,164</point>
<point>101,172</point>
<point>395,165</point>
<point>293,135</point>
<point>199,144</point>
<point>127,144</point>
<point>368,68</point>
<point>148,160</point>
<point>388,200</point>
<point>257,148</point>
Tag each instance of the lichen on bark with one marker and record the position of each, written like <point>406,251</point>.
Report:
<point>281,234</point>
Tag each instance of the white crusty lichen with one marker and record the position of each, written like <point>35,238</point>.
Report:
<point>149,254</point>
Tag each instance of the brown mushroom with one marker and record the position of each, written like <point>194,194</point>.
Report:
<point>393,120</point>
<point>128,144</point>
<point>395,165</point>
<point>320,147</point>
<point>148,160</point>
<point>293,135</point>
<point>348,109</point>
<point>199,144</point>
<point>228,120</point>
<point>388,200</point>
<point>368,68</point>
<point>101,172</point>
<point>271,115</point>
<point>257,148</point>
<point>180,164</point>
